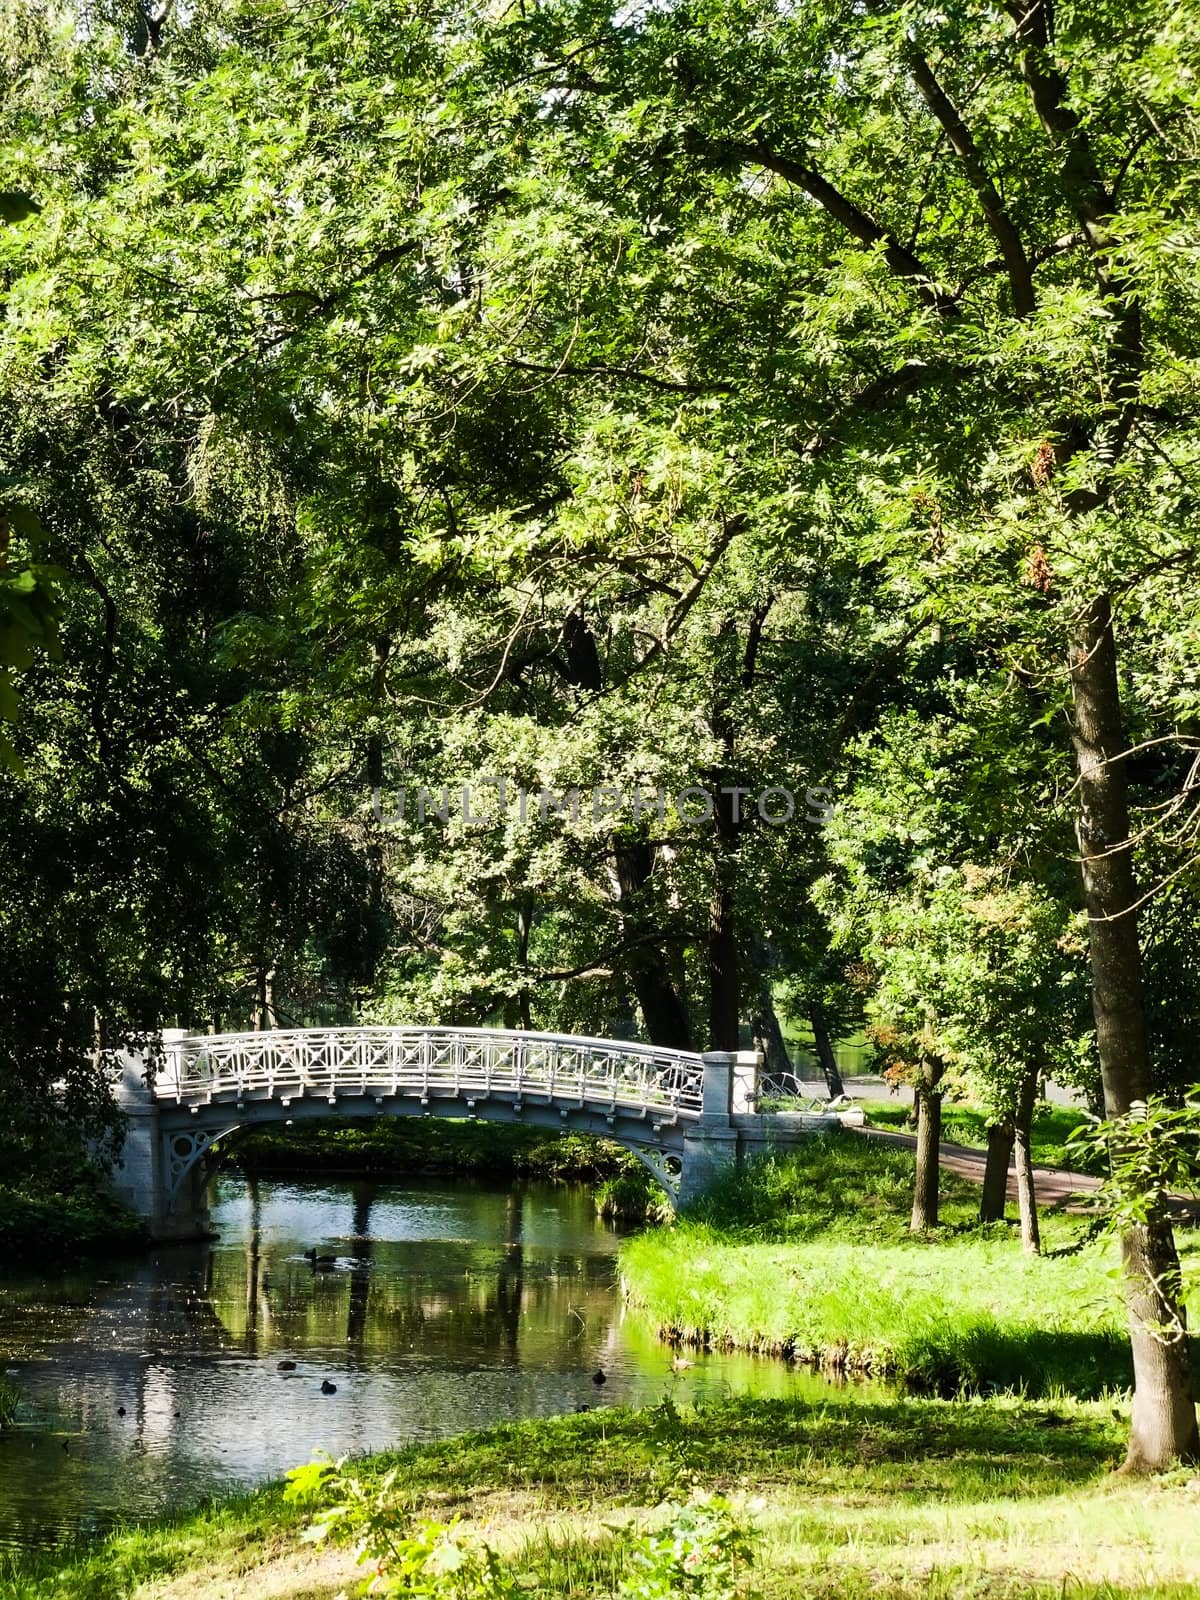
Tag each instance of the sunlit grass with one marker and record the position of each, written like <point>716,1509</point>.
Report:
<point>810,1256</point>
<point>853,1496</point>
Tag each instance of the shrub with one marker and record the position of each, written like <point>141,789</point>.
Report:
<point>701,1551</point>
<point>633,1197</point>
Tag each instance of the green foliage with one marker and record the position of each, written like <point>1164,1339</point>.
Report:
<point>10,1399</point>
<point>698,1548</point>
<point>422,1558</point>
<point>59,1219</point>
<point>1152,1152</point>
<point>55,1202</point>
<point>703,1549</point>
<point>29,599</point>
<point>972,970</point>
<point>633,1197</point>
<point>578,393</point>
<point>398,1147</point>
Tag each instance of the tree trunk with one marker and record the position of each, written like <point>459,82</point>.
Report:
<point>664,1014</point>
<point>825,1056</point>
<point>1164,1412</point>
<point>724,1003</point>
<point>993,1200</point>
<point>1163,1428</point>
<point>929,1138</point>
<point>729,818</point>
<point>1031,1238</point>
<point>769,1035</point>
<point>524,928</point>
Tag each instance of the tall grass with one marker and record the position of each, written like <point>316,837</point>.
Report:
<point>810,1257</point>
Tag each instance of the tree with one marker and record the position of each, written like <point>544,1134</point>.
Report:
<point>885,278</point>
<point>1009,378</point>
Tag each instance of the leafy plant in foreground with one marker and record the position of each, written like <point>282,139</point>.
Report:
<point>702,1550</point>
<point>1152,1153</point>
<point>421,1557</point>
<point>698,1549</point>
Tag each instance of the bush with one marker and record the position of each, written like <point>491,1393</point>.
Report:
<point>634,1197</point>
<point>64,1219</point>
<point>696,1549</point>
<point>398,1147</point>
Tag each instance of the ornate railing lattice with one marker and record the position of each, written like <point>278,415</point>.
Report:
<point>465,1062</point>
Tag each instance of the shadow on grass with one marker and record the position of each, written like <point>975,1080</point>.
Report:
<point>850,1453</point>
<point>987,1359</point>
<point>965,1450</point>
<point>835,1182</point>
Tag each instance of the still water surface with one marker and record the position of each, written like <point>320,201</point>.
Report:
<point>450,1305</point>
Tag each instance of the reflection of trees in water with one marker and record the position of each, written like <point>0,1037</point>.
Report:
<point>511,1289</point>
<point>360,1271</point>
<point>255,1295</point>
<point>489,1298</point>
<point>510,1280</point>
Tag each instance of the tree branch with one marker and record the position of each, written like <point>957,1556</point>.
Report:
<point>1012,250</point>
<point>857,222</point>
<point>730,528</point>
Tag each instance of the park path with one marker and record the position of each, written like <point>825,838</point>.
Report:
<point>1057,1188</point>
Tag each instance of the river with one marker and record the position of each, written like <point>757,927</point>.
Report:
<point>148,1384</point>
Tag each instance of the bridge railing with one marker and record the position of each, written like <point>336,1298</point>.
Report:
<point>464,1062</point>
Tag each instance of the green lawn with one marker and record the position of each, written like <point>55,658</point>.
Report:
<point>849,1497</point>
<point>811,1256</point>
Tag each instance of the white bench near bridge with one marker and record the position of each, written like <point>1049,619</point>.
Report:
<point>687,1115</point>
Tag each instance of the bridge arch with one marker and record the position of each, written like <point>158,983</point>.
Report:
<point>685,1115</point>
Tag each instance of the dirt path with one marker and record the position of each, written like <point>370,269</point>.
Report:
<point>1057,1188</point>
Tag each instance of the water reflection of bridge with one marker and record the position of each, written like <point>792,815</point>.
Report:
<point>449,1307</point>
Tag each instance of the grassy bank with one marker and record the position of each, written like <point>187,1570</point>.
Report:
<point>398,1147</point>
<point>1052,1126</point>
<point>852,1498</point>
<point>811,1257</point>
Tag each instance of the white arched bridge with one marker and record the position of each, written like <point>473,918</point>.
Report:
<point>686,1115</point>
